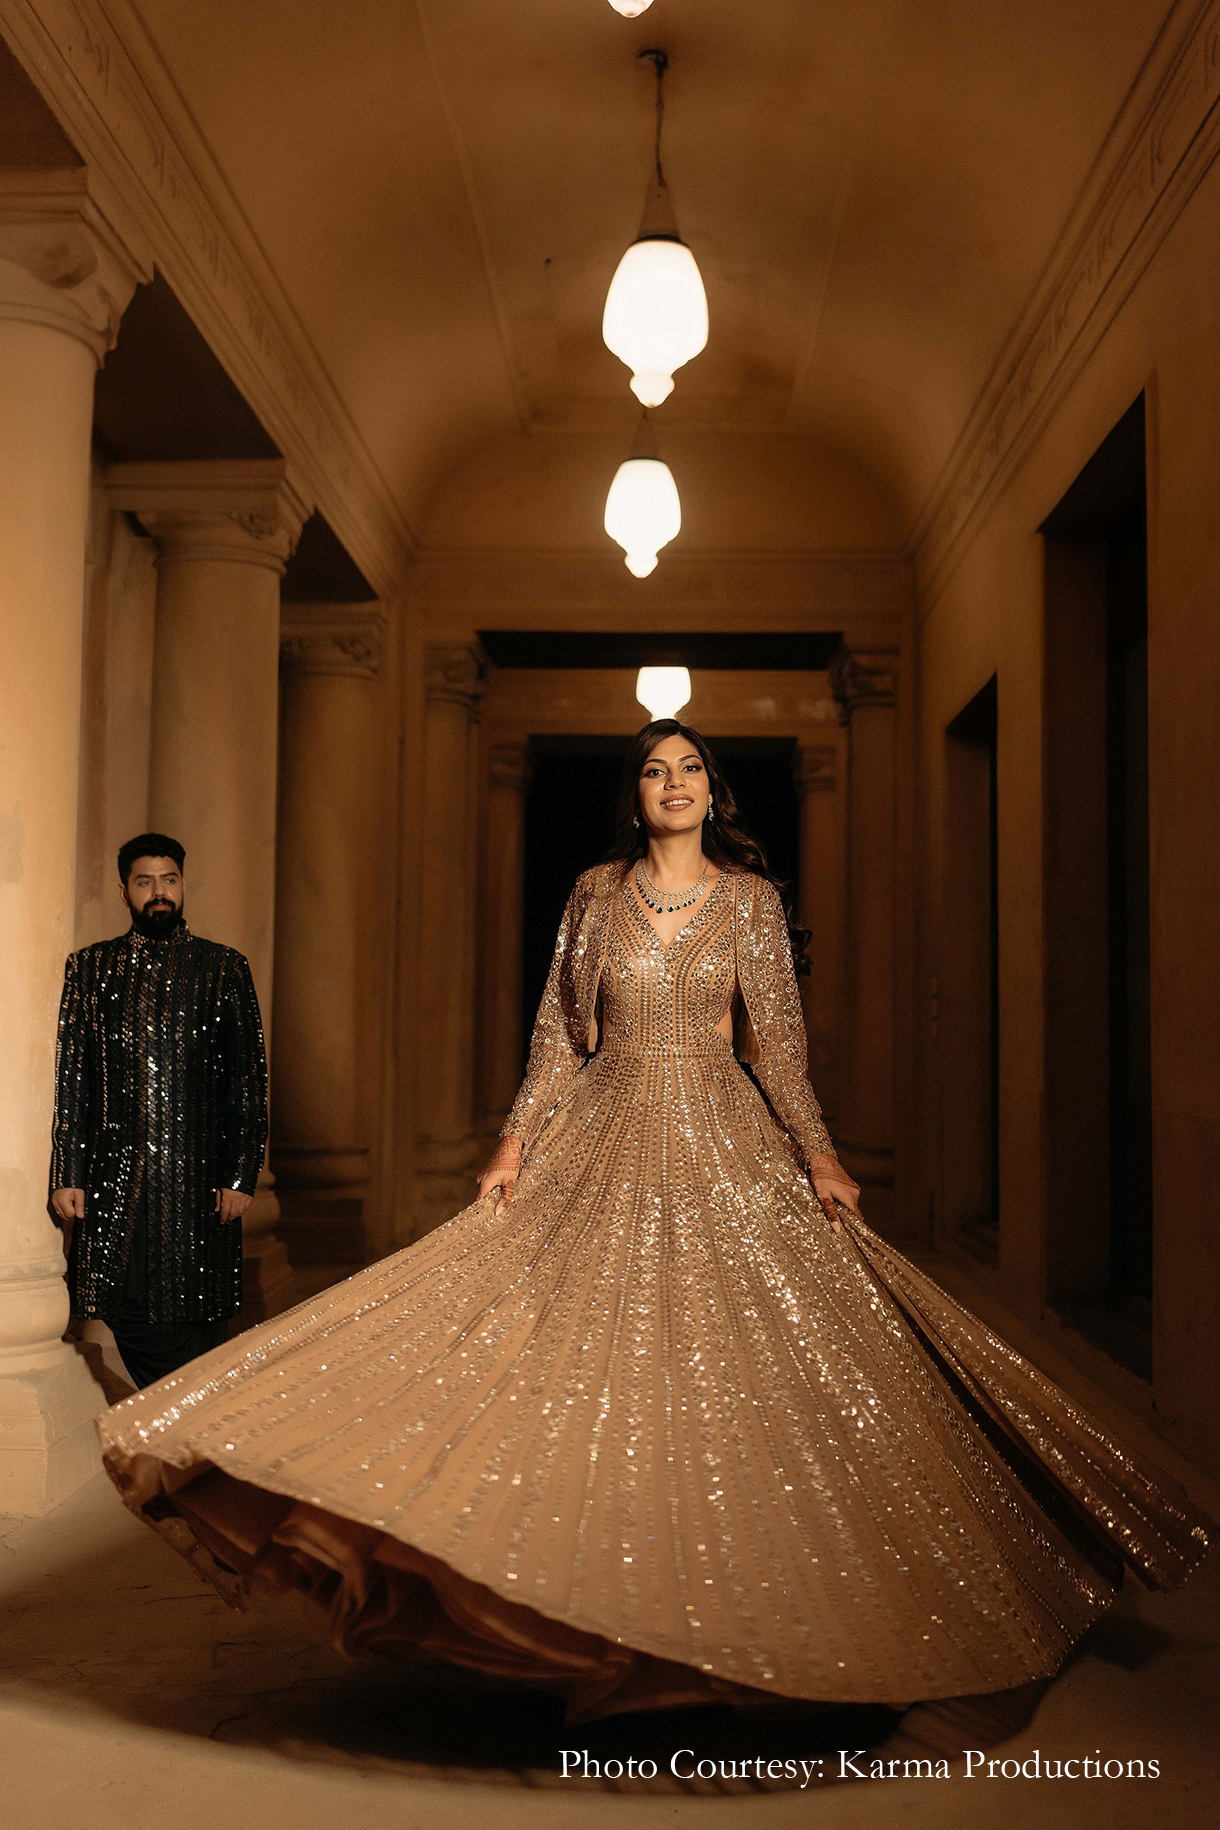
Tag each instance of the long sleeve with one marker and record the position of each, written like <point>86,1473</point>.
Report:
<point>243,1140</point>
<point>73,1085</point>
<point>555,1057</point>
<point>768,987</point>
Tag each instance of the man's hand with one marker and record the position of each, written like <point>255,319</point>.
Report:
<point>231,1204</point>
<point>69,1204</point>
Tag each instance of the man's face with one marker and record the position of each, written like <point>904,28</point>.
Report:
<point>154,893</point>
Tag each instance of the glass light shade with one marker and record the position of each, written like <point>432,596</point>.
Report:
<point>663,691</point>
<point>656,315</point>
<point>631,9</point>
<point>643,511</point>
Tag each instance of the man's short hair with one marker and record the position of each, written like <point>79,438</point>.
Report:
<point>149,845</point>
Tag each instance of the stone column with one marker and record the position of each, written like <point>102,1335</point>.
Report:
<point>504,894</point>
<point>865,685</point>
<point>65,279</point>
<point>330,879</point>
<point>116,712</point>
<point>448,1145</point>
<point>224,532</point>
<point>816,768</point>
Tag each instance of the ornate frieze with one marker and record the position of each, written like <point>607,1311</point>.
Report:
<point>710,590</point>
<point>1160,147</point>
<point>96,68</point>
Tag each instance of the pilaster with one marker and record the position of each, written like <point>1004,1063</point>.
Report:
<point>330,885</point>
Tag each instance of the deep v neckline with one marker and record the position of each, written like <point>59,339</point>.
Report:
<point>665,946</point>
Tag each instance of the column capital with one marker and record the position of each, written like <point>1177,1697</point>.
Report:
<point>509,765</point>
<point>815,768</point>
<point>62,262</point>
<point>863,677</point>
<point>249,512</point>
<point>333,639</point>
<point>453,675</point>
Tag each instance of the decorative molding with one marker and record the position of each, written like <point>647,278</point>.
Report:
<point>815,768</point>
<point>102,77</point>
<point>453,675</point>
<point>243,510</point>
<point>509,766</point>
<point>710,590</point>
<point>62,263</point>
<point>354,653</point>
<point>864,679</point>
<point>1162,143</point>
<point>345,639</point>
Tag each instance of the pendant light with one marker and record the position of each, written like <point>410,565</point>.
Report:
<point>642,509</point>
<point>656,309</point>
<point>663,691</point>
<point>631,9</point>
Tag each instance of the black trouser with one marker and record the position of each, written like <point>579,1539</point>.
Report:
<point>153,1350</point>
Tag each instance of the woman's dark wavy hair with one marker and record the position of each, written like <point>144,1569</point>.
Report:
<point>725,839</point>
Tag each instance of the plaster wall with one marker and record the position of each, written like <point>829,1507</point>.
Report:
<point>739,490</point>
<point>988,617</point>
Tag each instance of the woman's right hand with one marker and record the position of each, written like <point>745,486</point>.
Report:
<point>502,1172</point>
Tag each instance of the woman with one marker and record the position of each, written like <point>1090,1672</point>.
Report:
<point>659,1420</point>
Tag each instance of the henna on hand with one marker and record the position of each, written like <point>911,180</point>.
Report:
<point>832,1183</point>
<point>502,1172</point>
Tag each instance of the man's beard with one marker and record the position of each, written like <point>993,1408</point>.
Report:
<point>156,921</point>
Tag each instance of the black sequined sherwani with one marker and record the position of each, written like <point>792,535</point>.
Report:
<point>161,1099</point>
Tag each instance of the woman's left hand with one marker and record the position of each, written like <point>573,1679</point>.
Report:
<point>833,1184</point>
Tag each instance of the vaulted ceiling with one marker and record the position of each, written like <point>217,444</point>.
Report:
<point>444,187</point>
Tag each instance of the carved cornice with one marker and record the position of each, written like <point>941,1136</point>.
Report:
<point>508,765</point>
<point>343,639</point>
<point>62,262</point>
<point>246,511</point>
<point>719,590</point>
<point>453,675</point>
<point>863,679</point>
<point>815,768</point>
<point>1162,143</point>
<point>103,79</point>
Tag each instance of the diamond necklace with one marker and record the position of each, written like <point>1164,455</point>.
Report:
<point>660,901</point>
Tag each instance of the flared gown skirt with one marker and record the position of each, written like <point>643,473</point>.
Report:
<point>656,1434</point>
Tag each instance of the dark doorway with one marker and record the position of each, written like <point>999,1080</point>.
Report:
<point>970,987</point>
<point>569,824</point>
<point>1099,1049</point>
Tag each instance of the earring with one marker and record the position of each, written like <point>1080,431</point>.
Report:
<point>636,820</point>
<point>711,811</point>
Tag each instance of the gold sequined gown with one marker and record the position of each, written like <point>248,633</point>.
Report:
<point>657,1434</point>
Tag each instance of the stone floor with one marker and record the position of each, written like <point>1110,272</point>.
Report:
<point>131,1696</point>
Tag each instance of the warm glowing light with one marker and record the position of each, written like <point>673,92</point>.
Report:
<point>631,9</point>
<point>663,691</point>
<point>643,511</point>
<point>656,314</point>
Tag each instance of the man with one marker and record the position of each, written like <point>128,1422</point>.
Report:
<point>160,1122</point>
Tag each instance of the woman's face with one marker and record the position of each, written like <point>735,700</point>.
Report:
<point>674,788</point>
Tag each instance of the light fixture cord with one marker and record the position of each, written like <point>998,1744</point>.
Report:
<point>660,63</point>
